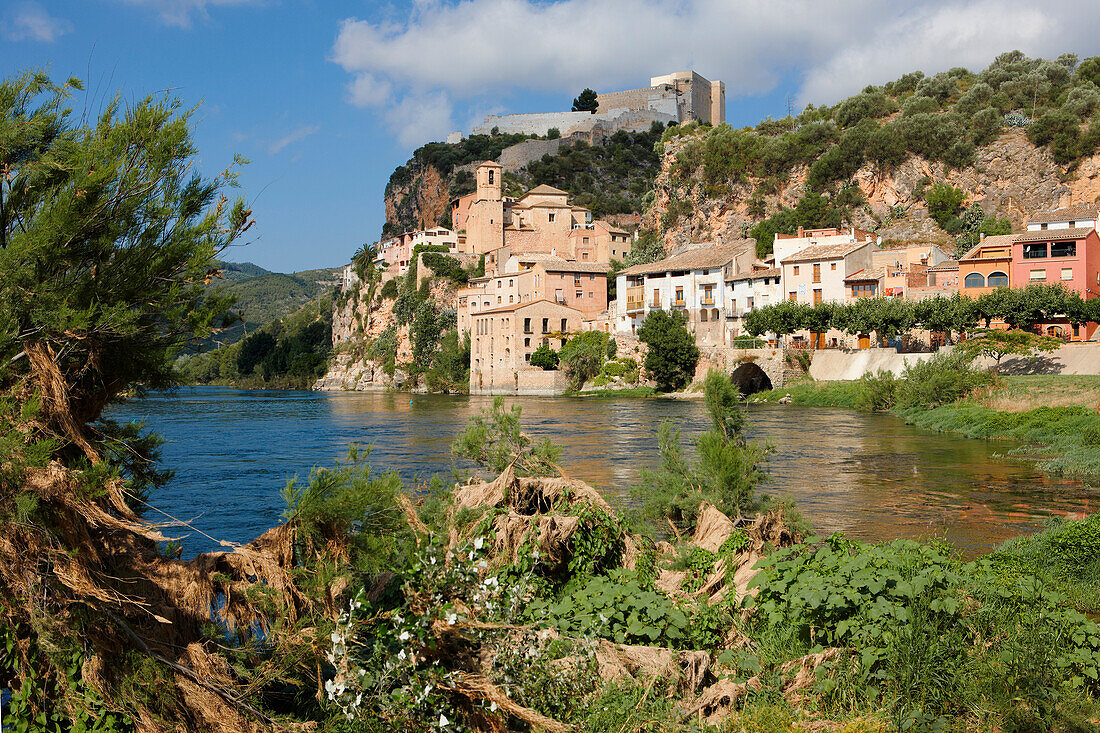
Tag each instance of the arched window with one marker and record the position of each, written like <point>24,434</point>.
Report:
<point>703,315</point>
<point>975,280</point>
<point>997,280</point>
<point>714,314</point>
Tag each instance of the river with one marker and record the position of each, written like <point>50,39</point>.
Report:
<point>867,475</point>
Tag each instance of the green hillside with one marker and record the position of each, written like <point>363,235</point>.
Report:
<point>264,296</point>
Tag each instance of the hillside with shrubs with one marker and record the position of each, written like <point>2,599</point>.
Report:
<point>941,157</point>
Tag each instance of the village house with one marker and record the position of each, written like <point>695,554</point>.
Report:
<point>1077,216</point>
<point>598,242</point>
<point>786,245</point>
<point>817,274</point>
<point>1070,257</point>
<point>748,291</point>
<point>986,266</point>
<point>691,281</point>
<point>939,280</point>
<point>580,285</point>
<point>395,253</point>
<point>503,339</point>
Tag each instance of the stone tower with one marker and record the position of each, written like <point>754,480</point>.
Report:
<point>485,222</point>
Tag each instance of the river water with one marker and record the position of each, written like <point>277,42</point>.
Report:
<point>867,475</point>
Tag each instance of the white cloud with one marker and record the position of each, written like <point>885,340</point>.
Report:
<point>181,13</point>
<point>476,51</point>
<point>300,134</point>
<point>418,118</point>
<point>30,21</point>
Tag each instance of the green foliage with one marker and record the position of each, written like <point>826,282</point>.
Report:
<point>384,349</point>
<point>450,369</point>
<point>586,102</point>
<point>931,636</point>
<point>672,353</point>
<point>583,356</point>
<point>493,440</point>
<point>813,210</point>
<point>725,473</point>
<point>544,358</point>
<point>389,290</point>
<point>997,344</point>
<point>877,391</point>
<point>941,380</point>
<point>646,249</point>
<point>597,547</point>
<point>345,498</point>
<point>446,267</point>
<point>944,205</point>
<point>612,178</point>
<point>107,237</point>
<point>617,608</point>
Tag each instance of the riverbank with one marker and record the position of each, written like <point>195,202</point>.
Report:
<point>1054,415</point>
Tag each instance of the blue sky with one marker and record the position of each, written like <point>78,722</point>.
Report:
<point>326,98</point>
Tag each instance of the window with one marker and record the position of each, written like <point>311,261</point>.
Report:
<point>564,325</point>
<point>997,280</point>
<point>817,296</point>
<point>545,326</point>
<point>584,240</point>
<point>974,280</point>
<point>748,304</point>
<point>511,299</point>
<point>527,341</point>
<point>932,279</point>
<point>491,172</point>
<point>499,299</point>
<point>679,296</point>
<point>706,272</point>
<point>527,357</point>
<point>576,280</point>
<point>1038,275</point>
<point>1072,224</point>
<point>1067,273</point>
<point>584,256</point>
<point>792,295</point>
<point>590,295</point>
<point>551,218</point>
<point>703,315</point>
<point>1043,227</point>
<point>527,326</point>
<point>510,283</point>
<point>580,293</point>
<point>861,290</point>
<point>1035,251</point>
<point>817,272</point>
<point>832,266</point>
<point>796,269</point>
<point>1063,249</point>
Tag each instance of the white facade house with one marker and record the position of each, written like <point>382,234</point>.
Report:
<point>1078,216</point>
<point>691,281</point>
<point>748,291</point>
<point>787,245</point>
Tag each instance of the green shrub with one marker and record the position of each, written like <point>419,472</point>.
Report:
<point>544,358</point>
<point>941,380</point>
<point>672,353</point>
<point>877,391</point>
<point>582,357</point>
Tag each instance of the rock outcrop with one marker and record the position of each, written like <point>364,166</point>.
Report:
<point>1010,177</point>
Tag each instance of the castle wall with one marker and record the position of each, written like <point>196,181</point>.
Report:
<point>568,123</point>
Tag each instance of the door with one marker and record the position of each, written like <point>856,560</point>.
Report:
<point>864,341</point>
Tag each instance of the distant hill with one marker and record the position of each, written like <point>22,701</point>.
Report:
<point>264,296</point>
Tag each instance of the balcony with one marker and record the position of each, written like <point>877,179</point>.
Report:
<point>635,299</point>
<point>707,300</point>
<point>655,304</point>
<point>678,303</point>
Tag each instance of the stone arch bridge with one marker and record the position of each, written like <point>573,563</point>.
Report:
<point>752,370</point>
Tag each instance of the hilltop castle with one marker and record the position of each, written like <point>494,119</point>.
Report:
<point>679,97</point>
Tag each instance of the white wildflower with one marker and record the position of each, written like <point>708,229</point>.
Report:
<point>403,636</point>
<point>479,543</point>
<point>443,722</point>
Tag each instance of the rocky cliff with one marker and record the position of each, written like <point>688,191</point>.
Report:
<point>1010,177</point>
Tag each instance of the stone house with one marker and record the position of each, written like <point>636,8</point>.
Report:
<point>787,245</point>
<point>748,291</point>
<point>692,281</point>
<point>503,339</point>
<point>1077,216</point>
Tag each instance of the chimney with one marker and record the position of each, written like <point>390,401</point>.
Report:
<point>800,232</point>
<point>981,237</point>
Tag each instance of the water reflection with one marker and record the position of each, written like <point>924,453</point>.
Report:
<point>869,476</point>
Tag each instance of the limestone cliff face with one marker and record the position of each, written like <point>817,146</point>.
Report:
<point>1010,177</point>
<point>419,202</point>
<point>357,321</point>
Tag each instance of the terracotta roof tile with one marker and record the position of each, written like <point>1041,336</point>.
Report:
<point>825,252</point>
<point>1066,213</point>
<point>873,273</point>
<point>693,258</point>
<point>756,275</point>
<point>945,266</point>
<point>997,240</point>
<point>1047,235</point>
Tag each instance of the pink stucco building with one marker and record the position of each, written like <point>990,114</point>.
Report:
<point>1067,256</point>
